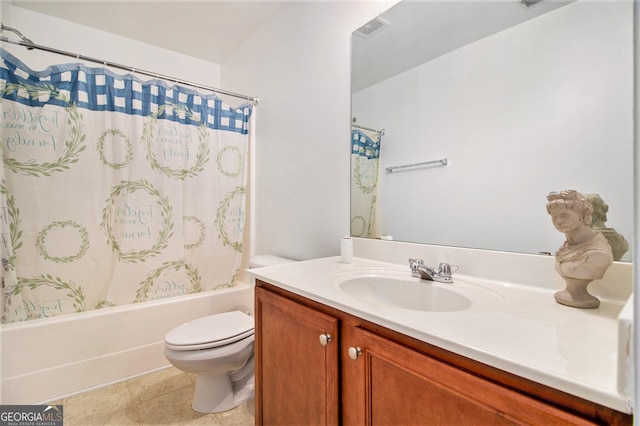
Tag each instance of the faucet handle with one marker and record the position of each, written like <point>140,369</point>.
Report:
<point>445,269</point>
<point>413,263</point>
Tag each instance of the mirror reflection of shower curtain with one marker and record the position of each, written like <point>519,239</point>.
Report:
<point>115,190</point>
<point>365,163</point>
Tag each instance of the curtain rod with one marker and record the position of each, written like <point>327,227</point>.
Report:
<point>381,132</point>
<point>31,45</point>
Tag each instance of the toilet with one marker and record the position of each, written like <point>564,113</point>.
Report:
<point>218,349</point>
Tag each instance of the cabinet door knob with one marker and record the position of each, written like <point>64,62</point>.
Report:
<point>325,339</point>
<point>354,353</point>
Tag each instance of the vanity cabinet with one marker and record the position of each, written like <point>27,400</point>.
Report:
<point>296,374</point>
<point>392,384</point>
<point>367,374</point>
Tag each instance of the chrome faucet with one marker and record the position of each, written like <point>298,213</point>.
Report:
<point>422,271</point>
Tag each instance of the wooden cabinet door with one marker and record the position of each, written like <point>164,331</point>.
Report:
<point>296,376</point>
<point>390,384</point>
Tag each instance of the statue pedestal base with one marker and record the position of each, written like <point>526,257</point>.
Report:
<point>576,294</point>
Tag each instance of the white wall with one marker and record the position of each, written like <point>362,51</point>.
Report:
<point>299,65</point>
<point>541,107</point>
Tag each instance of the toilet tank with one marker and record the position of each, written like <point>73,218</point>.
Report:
<point>267,260</point>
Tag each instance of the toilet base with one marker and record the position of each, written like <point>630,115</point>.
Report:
<point>215,393</point>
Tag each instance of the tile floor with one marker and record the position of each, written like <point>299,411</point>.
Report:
<point>161,398</point>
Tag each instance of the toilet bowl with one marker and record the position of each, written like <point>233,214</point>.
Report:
<point>218,349</point>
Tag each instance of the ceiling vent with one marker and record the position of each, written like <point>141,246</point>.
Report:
<point>370,28</point>
<point>529,3</point>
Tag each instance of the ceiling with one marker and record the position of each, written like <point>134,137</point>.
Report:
<point>215,28</point>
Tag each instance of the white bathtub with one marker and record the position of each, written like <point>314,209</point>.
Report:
<point>46,359</point>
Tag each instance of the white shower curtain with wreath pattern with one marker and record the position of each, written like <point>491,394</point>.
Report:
<point>115,190</point>
<point>365,162</point>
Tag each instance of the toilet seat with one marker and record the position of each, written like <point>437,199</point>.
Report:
<point>210,332</point>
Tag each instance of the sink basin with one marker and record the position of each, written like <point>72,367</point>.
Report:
<point>404,293</point>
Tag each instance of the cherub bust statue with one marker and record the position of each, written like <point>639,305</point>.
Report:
<point>585,255</point>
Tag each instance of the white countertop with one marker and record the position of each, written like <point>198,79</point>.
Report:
<point>515,328</point>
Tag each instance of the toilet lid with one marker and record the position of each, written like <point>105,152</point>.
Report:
<point>210,331</point>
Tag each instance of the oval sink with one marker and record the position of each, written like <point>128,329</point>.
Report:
<point>404,294</point>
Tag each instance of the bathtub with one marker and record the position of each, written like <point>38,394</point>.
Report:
<point>47,359</point>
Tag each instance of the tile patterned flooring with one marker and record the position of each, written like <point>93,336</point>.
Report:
<point>160,398</point>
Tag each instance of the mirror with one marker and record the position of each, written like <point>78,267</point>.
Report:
<point>500,104</point>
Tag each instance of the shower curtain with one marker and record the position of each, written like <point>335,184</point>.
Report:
<point>115,190</point>
<point>365,162</point>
